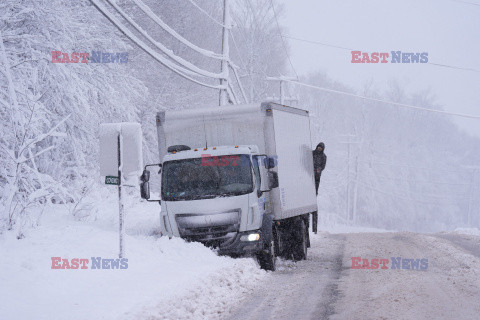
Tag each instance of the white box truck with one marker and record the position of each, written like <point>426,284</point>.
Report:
<point>239,178</point>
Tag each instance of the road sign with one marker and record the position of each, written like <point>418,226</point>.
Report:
<point>112,180</point>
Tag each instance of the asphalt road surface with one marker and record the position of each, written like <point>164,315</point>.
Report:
<point>325,286</point>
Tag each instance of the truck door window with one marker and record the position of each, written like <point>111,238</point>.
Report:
<point>258,161</point>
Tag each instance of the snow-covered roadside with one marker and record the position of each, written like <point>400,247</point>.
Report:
<point>336,227</point>
<point>340,228</point>
<point>468,231</point>
<point>165,279</point>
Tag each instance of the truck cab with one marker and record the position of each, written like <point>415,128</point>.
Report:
<point>217,196</point>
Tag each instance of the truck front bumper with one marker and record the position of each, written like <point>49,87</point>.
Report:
<point>240,246</point>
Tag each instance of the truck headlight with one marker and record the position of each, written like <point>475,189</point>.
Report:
<point>250,237</point>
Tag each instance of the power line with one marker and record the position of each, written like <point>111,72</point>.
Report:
<point>384,101</point>
<point>283,40</point>
<point>350,49</point>
<point>164,49</point>
<point>466,2</point>
<point>317,42</point>
<point>252,9</point>
<point>244,67</point>
<point>238,51</point>
<point>453,67</point>
<point>174,34</point>
<point>175,68</point>
<point>238,81</point>
<point>208,15</point>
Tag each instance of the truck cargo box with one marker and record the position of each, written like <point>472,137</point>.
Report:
<point>278,131</point>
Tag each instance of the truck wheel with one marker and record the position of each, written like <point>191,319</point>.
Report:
<point>314,221</point>
<point>300,246</point>
<point>267,258</point>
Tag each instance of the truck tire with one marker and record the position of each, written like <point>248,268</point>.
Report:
<point>314,221</point>
<point>300,245</point>
<point>267,258</point>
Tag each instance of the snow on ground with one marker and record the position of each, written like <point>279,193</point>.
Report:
<point>448,289</point>
<point>335,227</point>
<point>334,223</point>
<point>165,278</point>
<point>468,231</point>
<point>339,228</point>
<point>297,290</point>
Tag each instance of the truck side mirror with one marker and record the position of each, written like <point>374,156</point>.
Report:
<point>145,189</point>
<point>145,184</point>
<point>272,179</point>
<point>270,162</point>
<point>145,177</point>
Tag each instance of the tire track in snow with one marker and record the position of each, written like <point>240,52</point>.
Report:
<point>326,307</point>
<point>302,290</point>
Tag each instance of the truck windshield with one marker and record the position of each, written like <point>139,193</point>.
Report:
<point>201,178</point>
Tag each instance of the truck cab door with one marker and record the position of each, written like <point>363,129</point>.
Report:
<point>261,183</point>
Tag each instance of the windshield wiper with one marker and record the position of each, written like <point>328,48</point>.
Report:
<point>201,196</point>
<point>231,193</point>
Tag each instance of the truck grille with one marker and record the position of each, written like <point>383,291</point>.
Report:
<point>213,230</point>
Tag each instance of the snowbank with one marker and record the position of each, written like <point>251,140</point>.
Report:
<point>469,231</point>
<point>165,279</point>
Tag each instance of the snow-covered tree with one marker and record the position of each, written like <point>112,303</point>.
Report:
<point>41,166</point>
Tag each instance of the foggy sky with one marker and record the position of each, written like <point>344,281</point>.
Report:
<point>448,30</point>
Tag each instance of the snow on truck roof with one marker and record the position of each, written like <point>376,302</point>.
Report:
<point>226,110</point>
<point>210,151</point>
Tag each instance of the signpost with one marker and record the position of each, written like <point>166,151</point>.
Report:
<point>121,229</point>
<point>120,156</point>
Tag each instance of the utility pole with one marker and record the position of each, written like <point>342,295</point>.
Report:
<point>473,216</point>
<point>282,79</point>
<point>355,192</point>
<point>120,198</point>
<point>225,52</point>
<point>476,194</point>
<point>474,207</point>
<point>348,181</point>
<point>470,199</point>
<point>282,94</point>
<point>347,213</point>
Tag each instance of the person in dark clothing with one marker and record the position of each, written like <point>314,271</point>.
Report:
<point>319,163</point>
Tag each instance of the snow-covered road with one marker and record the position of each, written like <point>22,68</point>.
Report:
<point>302,290</point>
<point>326,287</point>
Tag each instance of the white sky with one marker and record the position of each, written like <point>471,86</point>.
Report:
<point>448,30</point>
